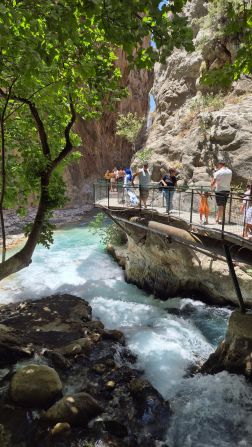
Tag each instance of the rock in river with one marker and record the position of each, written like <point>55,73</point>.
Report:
<point>35,386</point>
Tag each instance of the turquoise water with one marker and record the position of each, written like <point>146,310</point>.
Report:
<point>168,337</point>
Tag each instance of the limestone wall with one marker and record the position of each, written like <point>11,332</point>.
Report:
<point>170,269</point>
<point>190,130</point>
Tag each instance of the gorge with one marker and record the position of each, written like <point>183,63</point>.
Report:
<point>154,351</point>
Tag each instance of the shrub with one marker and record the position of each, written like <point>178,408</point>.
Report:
<point>109,234</point>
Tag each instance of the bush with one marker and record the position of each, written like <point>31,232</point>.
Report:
<point>109,234</point>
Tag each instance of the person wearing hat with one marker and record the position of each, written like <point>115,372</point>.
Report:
<point>221,184</point>
<point>144,181</point>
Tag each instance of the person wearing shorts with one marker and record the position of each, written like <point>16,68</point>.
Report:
<point>221,183</point>
<point>144,181</point>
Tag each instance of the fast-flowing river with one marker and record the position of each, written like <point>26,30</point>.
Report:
<point>169,338</point>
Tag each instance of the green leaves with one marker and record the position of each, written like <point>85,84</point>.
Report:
<point>61,57</point>
<point>230,22</point>
<point>128,126</point>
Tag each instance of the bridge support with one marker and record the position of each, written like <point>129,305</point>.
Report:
<point>234,277</point>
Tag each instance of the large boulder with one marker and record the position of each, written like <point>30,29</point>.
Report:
<point>76,409</point>
<point>234,354</point>
<point>35,386</point>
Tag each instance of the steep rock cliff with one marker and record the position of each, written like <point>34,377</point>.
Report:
<point>192,126</point>
<point>101,149</point>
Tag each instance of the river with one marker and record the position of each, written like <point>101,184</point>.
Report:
<point>169,338</point>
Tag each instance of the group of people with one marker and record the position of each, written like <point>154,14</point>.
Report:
<point>220,184</point>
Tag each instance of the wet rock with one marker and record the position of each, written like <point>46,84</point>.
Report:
<point>75,409</point>
<point>234,354</point>
<point>35,386</point>
<point>58,360</point>
<point>4,373</point>
<point>61,428</point>
<point>114,335</point>
<point>4,437</point>
<point>82,345</point>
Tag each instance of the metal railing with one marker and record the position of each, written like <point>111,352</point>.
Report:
<point>184,203</point>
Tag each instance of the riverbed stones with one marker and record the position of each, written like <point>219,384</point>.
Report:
<point>61,428</point>
<point>82,345</point>
<point>75,409</point>
<point>35,386</point>
<point>103,373</point>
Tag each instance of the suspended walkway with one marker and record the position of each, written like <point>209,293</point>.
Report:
<point>182,224</point>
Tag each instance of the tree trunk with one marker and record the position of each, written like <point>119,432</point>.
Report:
<point>23,257</point>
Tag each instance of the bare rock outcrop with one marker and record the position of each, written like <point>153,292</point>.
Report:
<point>234,354</point>
<point>168,269</point>
<point>192,127</point>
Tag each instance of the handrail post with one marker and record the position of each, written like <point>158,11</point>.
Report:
<point>244,219</point>
<point>230,207</point>
<point>234,277</point>
<point>108,196</point>
<point>191,210</point>
<point>223,220</point>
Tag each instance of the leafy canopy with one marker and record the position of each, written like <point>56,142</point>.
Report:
<point>128,126</point>
<point>230,21</point>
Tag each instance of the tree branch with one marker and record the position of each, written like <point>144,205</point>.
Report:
<point>38,121</point>
<point>68,146</point>
<point>29,97</point>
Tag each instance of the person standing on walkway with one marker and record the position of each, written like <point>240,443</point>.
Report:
<point>144,181</point>
<point>169,182</point>
<point>221,184</point>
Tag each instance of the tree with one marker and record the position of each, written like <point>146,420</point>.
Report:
<point>230,21</point>
<point>57,62</point>
<point>128,126</point>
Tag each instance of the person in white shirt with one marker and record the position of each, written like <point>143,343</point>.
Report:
<point>221,183</point>
<point>144,181</point>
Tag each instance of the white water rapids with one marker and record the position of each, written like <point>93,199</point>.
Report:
<point>167,337</point>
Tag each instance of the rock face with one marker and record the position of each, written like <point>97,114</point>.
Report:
<point>169,269</point>
<point>101,149</point>
<point>191,131</point>
<point>35,386</point>
<point>234,354</point>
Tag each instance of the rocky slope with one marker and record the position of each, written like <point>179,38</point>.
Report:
<point>191,128</point>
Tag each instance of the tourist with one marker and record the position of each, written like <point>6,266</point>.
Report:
<point>168,183</point>
<point>248,222</point>
<point>245,197</point>
<point>221,183</point>
<point>127,178</point>
<point>113,179</point>
<point>144,181</point>
<point>247,203</point>
<point>204,207</point>
<point>107,176</point>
